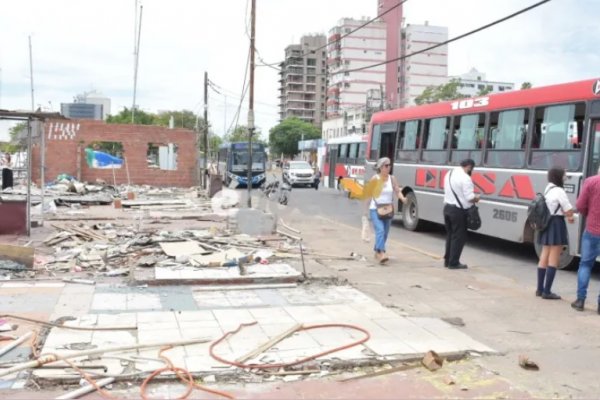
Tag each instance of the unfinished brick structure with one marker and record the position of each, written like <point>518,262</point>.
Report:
<point>66,141</point>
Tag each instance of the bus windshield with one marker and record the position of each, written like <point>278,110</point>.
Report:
<point>240,157</point>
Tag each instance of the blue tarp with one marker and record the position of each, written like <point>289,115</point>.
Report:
<point>99,159</point>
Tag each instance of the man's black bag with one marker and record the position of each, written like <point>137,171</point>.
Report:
<point>538,215</point>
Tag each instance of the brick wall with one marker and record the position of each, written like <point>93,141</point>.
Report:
<point>66,140</point>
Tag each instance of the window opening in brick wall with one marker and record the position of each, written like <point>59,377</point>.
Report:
<point>104,155</point>
<point>162,156</point>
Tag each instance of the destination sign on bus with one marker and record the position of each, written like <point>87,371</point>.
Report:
<point>244,146</point>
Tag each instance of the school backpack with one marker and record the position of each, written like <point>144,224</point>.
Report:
<point>538,215</point>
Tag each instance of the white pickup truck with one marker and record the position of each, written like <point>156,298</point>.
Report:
<point>298,173</point>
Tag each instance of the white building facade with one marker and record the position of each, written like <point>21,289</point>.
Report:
<point>352,121</point>
<point>347,88</point>
<point>474,82</point>
<point>429,68</point>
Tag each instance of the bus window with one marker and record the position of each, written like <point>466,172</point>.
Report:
<point>436,137</point>
<point>375,139</point>
<point>595,159</point>
<point>557,137</point>
<point>343,152</point>
<point>352,153</point>
<point>362,151</point>
<point>467,138</point>
<point>506,138</point>
<point>408,142</point>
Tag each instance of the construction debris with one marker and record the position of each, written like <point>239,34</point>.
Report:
<point>432,361</point>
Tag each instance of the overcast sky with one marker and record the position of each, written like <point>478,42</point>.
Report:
<point>80,45</point>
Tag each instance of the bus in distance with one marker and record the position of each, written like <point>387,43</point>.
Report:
<point>344,157</point>
<point>514,138</point>
<point>233,163</point>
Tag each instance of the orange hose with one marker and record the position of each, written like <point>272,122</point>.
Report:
<point>300,361</point>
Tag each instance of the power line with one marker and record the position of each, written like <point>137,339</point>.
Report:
<point>454,39</point>
<point>236,117</point>
<point>263,64</point>
<point>225,92</point>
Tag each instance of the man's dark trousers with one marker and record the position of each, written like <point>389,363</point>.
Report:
<point>455,220</point>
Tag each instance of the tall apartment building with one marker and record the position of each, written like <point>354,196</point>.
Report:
<point>346,88</point>
<point>429,68</point>
<point>473,82</point>
<point>303,80</point>
<point>393,48</point>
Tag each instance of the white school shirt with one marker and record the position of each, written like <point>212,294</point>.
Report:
<point>386,196</point>
<point>463,187</point>
<point>555,197</point>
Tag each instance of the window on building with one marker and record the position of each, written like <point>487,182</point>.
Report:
<point>557,136</point>
<point>104,155</point>
<point>162,156</point>
<point>311,61</point>
<point>506,138</point>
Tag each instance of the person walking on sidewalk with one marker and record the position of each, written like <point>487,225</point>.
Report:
<point>588,204</point>
<point>459,196</point>
<point>555,236</point>
<point>385,200</point>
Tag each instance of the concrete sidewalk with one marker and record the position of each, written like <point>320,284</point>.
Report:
<point>494,308</point>
<point>211,314</point>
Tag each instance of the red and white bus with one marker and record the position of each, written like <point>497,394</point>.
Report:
<point>514,138</point>
<point>344,157</point>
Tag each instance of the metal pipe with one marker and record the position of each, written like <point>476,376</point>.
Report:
<point>14,344</point>
<point>85,390</point>
<point>50,358</point>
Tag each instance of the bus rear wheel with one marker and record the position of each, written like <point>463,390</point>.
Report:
<point>567,261</point>
<point>410,213</point>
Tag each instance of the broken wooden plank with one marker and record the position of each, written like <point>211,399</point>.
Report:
<point>20,254</point>
<point>268,344</point>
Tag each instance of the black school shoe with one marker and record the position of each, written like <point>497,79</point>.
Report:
<point>550,296</point>
<point>458,266</point>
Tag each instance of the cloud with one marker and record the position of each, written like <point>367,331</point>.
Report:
<point>80,45</point>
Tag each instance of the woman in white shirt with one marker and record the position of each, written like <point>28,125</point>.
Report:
<point>381,224</point>
<point>555,236</point>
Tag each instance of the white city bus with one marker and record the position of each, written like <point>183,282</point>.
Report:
<point>514,138</point>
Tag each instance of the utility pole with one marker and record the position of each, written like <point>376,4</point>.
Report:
<point>135,65</point>
<point>31,74</point>
<point>251,99</point>
<point>205,162</point>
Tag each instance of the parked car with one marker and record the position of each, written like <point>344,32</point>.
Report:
<point>298,173</point>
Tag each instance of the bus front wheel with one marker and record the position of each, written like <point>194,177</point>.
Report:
<point>410,213</point>
<point>567,261</point>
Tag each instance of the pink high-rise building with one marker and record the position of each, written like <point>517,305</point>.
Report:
<point>393,49</point>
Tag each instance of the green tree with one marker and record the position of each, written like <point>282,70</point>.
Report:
<point>240,134</point>
<point>284,138</point>
<point>141,117</point>
<point>485,90</point>
<point>182,119</point>
<point>526,85</point>
<point>445,92</point>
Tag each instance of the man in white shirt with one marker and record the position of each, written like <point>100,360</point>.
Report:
<point>459,196</point>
